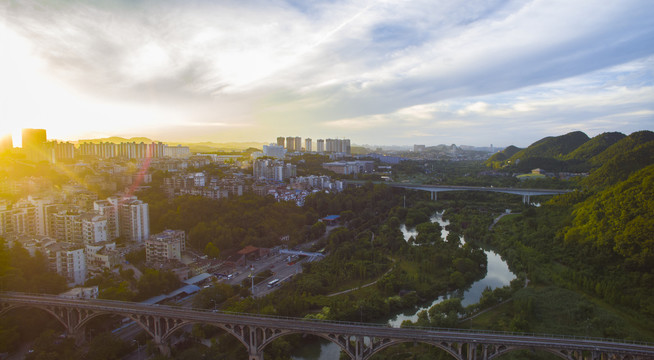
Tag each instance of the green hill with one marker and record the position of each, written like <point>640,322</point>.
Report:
<point>504,154</point>
<point>624,145</point>
<point>551,147</point>
<point>621,166</point>
<point>620,219</point>
<point>595,146</point>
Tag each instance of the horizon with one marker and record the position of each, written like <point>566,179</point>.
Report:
<point>369,146</point>
<point>502,73</point>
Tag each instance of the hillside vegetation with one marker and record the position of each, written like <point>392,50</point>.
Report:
<point>575,152</point>
<point>594,146</point>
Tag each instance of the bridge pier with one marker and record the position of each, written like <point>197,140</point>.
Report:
<point>434,195</point>
<point>525,199</point>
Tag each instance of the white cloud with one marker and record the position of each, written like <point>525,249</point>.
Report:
<point>394,68</point>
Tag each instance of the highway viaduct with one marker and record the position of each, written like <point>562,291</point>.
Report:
<point>359,340</point>
<point>435,189</point>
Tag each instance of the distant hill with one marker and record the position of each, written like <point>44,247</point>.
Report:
<point>622,146</point>
<point>551,147</point>
<point>503,155</point>
<point>207,146</point>
<point>116,140</point>
<point>200,147</point>
<point>595,146</point>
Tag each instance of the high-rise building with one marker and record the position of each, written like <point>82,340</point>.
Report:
<point>307,145</point>
<point>67,226</point>
<point>134,219</point>
<point>109,209</point>
<point>280,141</point>
<point>290,144</point>
<point>34,144</point>
<point>62,151</point>
<point>177,152</point>
<point>320,145</point>
<point>338,146</point>
<point>6,144</point>
<point>94,228</point>
<point>275,151</point>
<point>298,143</point>
<point>166,245</point>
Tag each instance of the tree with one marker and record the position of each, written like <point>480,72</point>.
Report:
<point>211,250</point>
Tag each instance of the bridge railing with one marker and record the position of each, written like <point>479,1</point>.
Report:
<point>337,322</point>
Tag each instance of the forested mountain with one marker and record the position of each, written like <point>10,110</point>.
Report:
<point>552,147</point>
<point>620,220</point>
<point>623,146</point>
<point>575,152</point>
<point>595,146</point>
<point>503,155</point>
<point>620,166</point>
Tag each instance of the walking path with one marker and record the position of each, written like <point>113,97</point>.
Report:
<point>362,286</point>
<point>498,219</point>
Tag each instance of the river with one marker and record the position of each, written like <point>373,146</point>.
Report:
<point>497,275</point>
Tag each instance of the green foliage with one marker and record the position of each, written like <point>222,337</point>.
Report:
<point>552,146</point>
<point>498,158</point>
<point>21,272</point>
<point>621,166</point>
<point>154,282</point>
<point>620,219</point>
<point>107,346</point>
<point>211,250</point>
<point>623,146</point>
<point>213,296</point>
<point>230,223</point>
<point>49,346</point>
<point>594,146</point>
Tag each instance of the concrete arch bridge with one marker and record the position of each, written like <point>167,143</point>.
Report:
<point>435,189</point>
<point>359,341</point>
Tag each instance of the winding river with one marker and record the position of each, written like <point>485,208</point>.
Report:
<point>497,275</point>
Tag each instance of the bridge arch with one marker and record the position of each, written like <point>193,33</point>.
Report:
<point>506,349</point>
<point>329,337</point>
<point>6,309</point>
<point>226,327</point>
<point>447,347</point>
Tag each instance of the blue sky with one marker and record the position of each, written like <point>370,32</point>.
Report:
<point>377,72</point>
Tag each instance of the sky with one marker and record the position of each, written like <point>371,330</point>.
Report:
<point>474,72</point>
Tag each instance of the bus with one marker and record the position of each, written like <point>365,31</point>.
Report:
<point>273,283</point>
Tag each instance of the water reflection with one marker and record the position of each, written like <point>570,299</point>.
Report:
<point>497,275</point>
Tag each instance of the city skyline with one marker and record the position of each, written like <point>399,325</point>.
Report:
<point>506,73</point>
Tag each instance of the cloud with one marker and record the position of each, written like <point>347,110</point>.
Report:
<point>393,67</point>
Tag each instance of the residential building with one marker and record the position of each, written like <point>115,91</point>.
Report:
<point>177,152</point>
<point>298,143</point>
<point>280,141</point>
<point>274,151</point>
<point>164,246</point>
<point>307,145</point>
<point>67,260</point>
<point>109,209</point>
<point>34,144</point>
<point>134,220</point>
<point>290,144</point>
